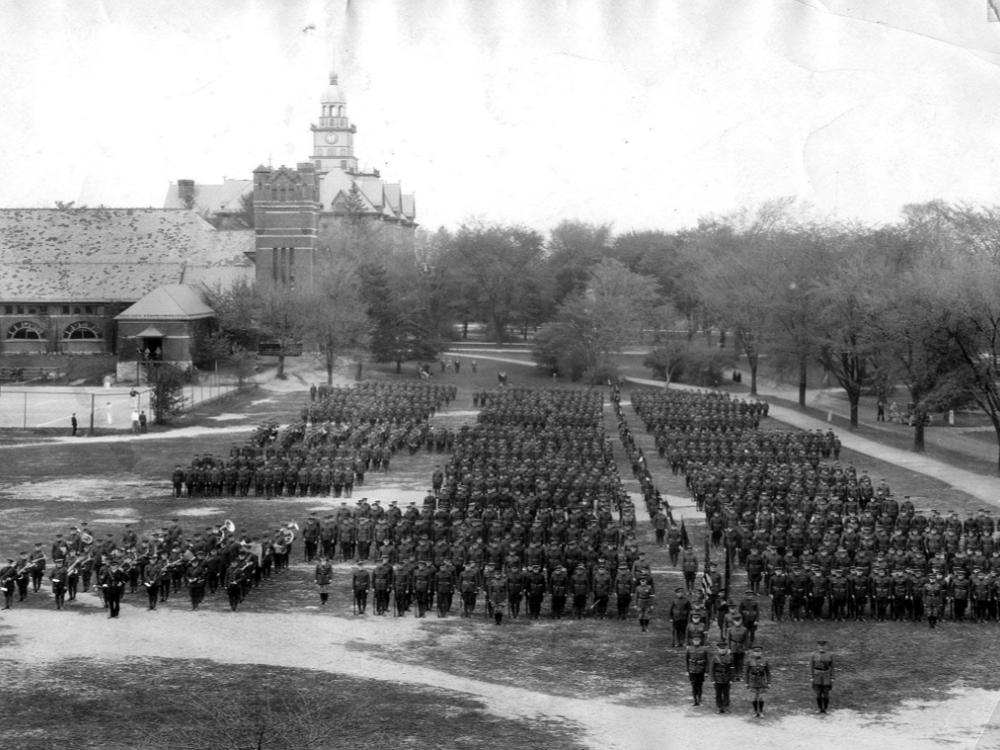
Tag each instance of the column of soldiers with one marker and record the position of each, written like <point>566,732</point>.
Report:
<point>159,564</point>
<point>339,437</point>
<point>820,539</point>
<point>530,508</point>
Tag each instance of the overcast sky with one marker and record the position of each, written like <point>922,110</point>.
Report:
<point>645,114</point>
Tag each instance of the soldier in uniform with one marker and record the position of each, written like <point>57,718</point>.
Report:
<point>679,612</point>
<point>758,679</point>
<point>324,575</point>
<point>423,586</point>
<point>234,583</point>
<point>821,669</point>
<point>958,594</point>
<point>382,583</point>
<point>517,579</point>
<point>360,583</point>
<point>8,576</point>
<point>468,585</point>
<point>696,628</point>
<point>739,642</point>
<point>23,576</point>
<point>496,592</point>
<point>112,582</point>
<point>559,586</point>
<point>697,664</point>
<point>537,585</point>
<point>721,669</point>
<point>37,569</point>
<point>151,575</point>
<point>750,609</point>
<point>624,586</point>
<point>444,580</point>
<point>58,578</point>
<point>644,601</point>
<point>777,588</point>
<point>196,578</point>
<point>602,590</point>
<point>933,599</point>
<point>178,481</point>
<point>689,566</point>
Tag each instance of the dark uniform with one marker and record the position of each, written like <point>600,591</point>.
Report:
<point>721,670</point>
<point>112,584</point>
<point>758,679</point>
<point>360,583</point>
<point>697,659</point>
<point>58,577</point>
<point>821,669</point>
<point>324,575</point>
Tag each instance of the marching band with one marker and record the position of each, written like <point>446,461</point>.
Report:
<point>163,562</point>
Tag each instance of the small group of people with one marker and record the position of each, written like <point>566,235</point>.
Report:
<point>723,668</point>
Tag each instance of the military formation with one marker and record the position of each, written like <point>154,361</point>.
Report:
<point>528,519</point>
<point>161,564</point>
<point>819,539</point>
<point>342,434</point>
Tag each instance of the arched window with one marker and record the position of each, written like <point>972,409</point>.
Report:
<point>25,329</point>
<point>82,329</point>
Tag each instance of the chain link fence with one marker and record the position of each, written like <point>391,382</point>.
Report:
<point>105,408</point>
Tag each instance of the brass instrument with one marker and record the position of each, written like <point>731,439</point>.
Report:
<point>77,562</point>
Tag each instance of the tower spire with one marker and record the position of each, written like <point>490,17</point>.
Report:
<point>333,136</point>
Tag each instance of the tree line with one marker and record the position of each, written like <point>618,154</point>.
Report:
<point>913,304</point>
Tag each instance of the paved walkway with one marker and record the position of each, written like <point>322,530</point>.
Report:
<point>943,436</point>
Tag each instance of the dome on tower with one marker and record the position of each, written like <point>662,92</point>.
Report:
<point>332,93</point>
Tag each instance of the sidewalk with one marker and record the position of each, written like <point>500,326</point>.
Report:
<point>985,488</point>
<point>946,437</point>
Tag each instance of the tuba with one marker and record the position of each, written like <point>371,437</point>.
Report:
<point>227,527</point>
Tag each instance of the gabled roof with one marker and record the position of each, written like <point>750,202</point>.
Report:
<point>372,188</point>
<point>409,207</point>
<point>170,302</point>
<point>391,192</point>
<point>224,198</point>
<point>113,254</point>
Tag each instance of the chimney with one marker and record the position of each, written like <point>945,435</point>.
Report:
<point>185,193</point>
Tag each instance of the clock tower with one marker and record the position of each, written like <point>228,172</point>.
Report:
<point>333,137</point>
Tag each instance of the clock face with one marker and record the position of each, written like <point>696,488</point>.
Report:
<point>331,138</point>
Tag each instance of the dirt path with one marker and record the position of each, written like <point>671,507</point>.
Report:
<point>329,644</point>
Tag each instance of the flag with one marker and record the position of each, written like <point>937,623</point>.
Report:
<point>705,584</point>
<point>685,541</point>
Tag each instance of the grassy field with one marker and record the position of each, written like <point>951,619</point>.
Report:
<point>46,489</point>
<point>155,703</point>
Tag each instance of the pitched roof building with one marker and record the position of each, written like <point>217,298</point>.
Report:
<point>66,273</point>
<point>128,280</point>
<point>337,170</point>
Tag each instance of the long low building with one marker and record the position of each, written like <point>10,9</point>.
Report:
<point>67,273</point>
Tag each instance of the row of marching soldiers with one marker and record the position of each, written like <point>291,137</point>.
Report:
<point>160,564</point>
<point>421,587</point>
